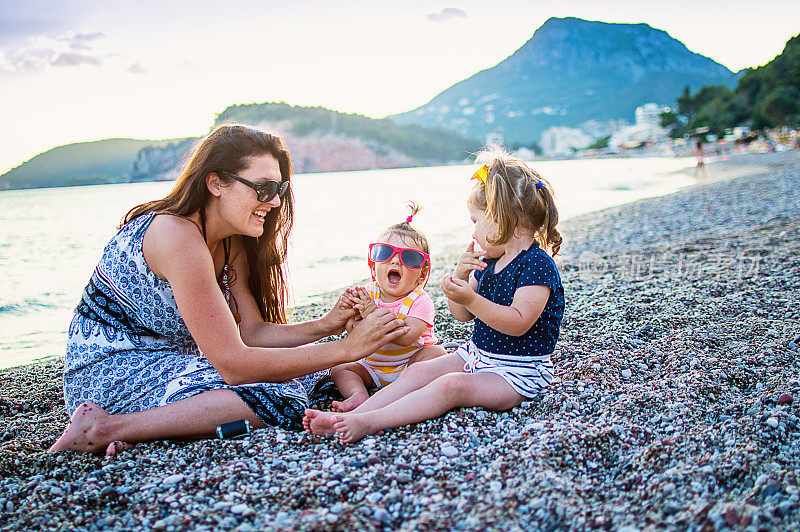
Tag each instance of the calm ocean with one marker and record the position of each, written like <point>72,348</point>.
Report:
<point>51,239</point>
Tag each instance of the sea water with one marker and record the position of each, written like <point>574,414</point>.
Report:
<point>51,239</point>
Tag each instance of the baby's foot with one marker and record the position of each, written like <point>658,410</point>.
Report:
<point>351,403</point>
<point>351,428</point>
<point>87,431</point>
<point>318,423</point>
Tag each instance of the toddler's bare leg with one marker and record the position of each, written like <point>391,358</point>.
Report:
<point>413,378</point>
<point>449,391</point>
<point>429,352</point>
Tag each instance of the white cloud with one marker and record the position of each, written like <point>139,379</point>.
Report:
<point>136,68</point>
<point>82,41</point>
<point>448,13</point>
<point>70,50</point>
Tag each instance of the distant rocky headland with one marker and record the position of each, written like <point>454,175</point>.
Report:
<point>320,140</point>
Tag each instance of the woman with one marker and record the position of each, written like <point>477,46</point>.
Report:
<point>186,309</point>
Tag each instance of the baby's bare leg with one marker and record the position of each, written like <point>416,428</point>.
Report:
<point>352,380</point>
<point>449,391</point>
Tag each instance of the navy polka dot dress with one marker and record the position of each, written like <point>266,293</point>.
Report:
<point>523,361</point>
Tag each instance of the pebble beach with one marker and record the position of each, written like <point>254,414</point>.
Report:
<point>675,404</point>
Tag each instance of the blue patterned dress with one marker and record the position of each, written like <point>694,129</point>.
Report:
<point>129,349</point>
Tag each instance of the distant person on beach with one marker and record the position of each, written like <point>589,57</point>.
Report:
<point>400,264</point>
<point>700,154</point>
<point>515,297</point>
<point>182,326</point>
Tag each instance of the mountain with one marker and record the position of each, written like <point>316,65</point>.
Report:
<point>570,72</point>
<point>82,163</point>
<point>322,140</point>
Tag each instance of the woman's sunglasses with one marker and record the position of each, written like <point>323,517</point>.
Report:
<point>410,258</point>
<point>265,191</point>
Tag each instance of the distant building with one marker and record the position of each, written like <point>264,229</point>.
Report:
<point>564,140</point>
<point>649,115</point>
<point>647,129</point>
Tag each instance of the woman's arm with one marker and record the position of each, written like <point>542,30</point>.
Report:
<point>255,332</point>
<point>513,320</point>
<point>175,251</point>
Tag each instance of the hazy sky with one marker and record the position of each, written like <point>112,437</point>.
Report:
<point>86,70</point>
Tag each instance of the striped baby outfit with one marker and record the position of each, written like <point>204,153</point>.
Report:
<point>389,362</point>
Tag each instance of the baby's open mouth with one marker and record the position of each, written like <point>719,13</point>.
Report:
<point>393,277</point>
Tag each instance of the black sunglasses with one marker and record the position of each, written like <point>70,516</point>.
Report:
<point>265,191</point>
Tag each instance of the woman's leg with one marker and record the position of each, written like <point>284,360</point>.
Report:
<point>92,429</point>
<point>449,391</point>
<point>351,380</point>
<point>413,378</point>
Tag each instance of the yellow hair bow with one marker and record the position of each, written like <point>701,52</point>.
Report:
<point>481,174</point>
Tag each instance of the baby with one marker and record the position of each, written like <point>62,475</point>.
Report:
<point>400,264</point>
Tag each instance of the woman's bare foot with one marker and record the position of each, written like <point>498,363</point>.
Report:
<point>318,423</point>
<point>87,431</point>
<point>351,403</point>
<point>351,428</point>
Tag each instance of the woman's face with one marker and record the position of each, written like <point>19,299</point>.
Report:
<point>239,204</point>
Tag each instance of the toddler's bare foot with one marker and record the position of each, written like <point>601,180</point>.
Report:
<point>351,428</point>
<point>351,403</point>
<point>87,431</point>
<point>318,423</point>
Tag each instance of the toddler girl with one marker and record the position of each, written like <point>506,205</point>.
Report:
<point>400,265</point>
<point>515,297</point>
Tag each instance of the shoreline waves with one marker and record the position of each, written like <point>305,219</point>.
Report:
<point>675,405</point>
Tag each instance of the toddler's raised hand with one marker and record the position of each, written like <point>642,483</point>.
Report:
<point>468,261</point>
<point>458,290</point>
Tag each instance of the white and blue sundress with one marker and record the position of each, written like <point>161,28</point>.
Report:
<point>129,349</point>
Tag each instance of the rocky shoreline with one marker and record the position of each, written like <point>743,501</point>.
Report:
<point>675,407</point>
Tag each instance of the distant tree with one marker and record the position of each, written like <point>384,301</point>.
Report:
<point>765,96</point>
<point>781,106</point>
<point>599,144</point>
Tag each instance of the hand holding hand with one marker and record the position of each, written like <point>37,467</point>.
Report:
<point>373,332</point>
<point>468,261</point>
<point>364,304</point>
<point>351,323</point>
<point>458,290</point>
<point>336,318</point>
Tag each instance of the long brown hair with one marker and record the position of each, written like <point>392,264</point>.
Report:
<point>514,194</point>
<point>228,148</point>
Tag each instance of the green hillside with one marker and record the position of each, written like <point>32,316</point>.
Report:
<point>83,163</point>
<point>767,96</point>
<point>425,144</point>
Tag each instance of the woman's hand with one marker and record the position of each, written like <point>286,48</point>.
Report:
<point>351,323</point>
<point>336,318</point>
<point>468,261</point>
<point>373,332</point>
<point>458,290</point>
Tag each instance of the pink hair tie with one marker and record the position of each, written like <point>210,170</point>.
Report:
<point>409,218</point>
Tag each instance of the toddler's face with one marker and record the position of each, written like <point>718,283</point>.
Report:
<point>395,279</point>
<point>485,228</point>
